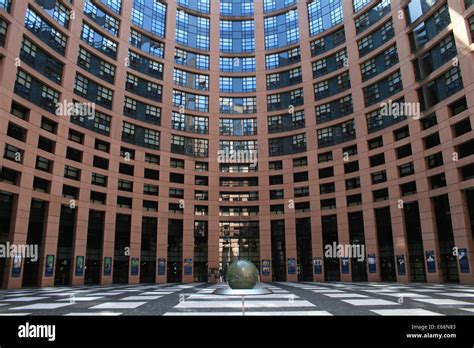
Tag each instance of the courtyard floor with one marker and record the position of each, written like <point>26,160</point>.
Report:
<point>288,298</point>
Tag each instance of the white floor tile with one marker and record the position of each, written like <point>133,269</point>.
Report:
<point>42,306</point>
<point>139,298</point>
<point>468,309</point>
<point>24,299</point>
<point>407,311</point>
<point>88,314</point>
<point>81,299</point>
<point>13,314</point>
<point>348,295</point>
<point>254,313</point>
<point>442,302</point>
<point>118,305</point>
<point>248,304</point>
<point>404,294</point>
<point>456,294</point>
<point>371,302</point>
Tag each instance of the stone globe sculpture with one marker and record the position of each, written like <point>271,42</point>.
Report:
<point>242,274</point>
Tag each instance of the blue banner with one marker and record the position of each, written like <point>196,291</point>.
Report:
<point>463,261</point>
<point>49,266</point>
<point>135,266</point>
<point>430,261</point>
<point>79,266</point>
<point>161,267</point>
<point>265,267</point>
<point>107,266</point>
<point>318,265</point>
<point>401,265</point>
<point>188,266</point>
<point>16,266</point>
<point>292,265</point>
<point>372,264</point>
<point>345,265</point>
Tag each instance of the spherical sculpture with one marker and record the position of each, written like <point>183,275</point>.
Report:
<point>242,274</point>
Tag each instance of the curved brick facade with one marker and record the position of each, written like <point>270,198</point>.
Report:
<point>141,182</point>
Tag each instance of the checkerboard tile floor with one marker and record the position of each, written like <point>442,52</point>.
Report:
<point>287,298</point>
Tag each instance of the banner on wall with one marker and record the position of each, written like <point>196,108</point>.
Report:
<point>430,261</point>
<point>79,266</point>
<point>188,266</point>
<point>463,261</point>
<point>371,263</point>
<point>107,266</point>
<point>265,267</point>
<point>345,265</point>
<point>135,266</point>
<point>49,266</point>
<point>16,265</point>
<point>292,265</point>
<point>401,265</point>
<point>318,265</point>
<point>161,267</point>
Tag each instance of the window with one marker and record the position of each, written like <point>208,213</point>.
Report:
<point>408,188</point>
<point>379,177</point>
<point>98,41</point>
<point>74,154</point>
<point>102,146</point>
<point>151,174</point>
<point>301,192</point>
<point>275,165</point>
<point>406,169</point>
<point>300,162</point>
<point>353,183</point>
<point>404,151</point>
<point>323,15</point>
<point>72,172</point>
<point>41,185</point>
<point>99,180</point>
<point>43,164</point>
<point>98,197</point>
<point>401,133</point>
<point>150,16</point>
<point>237,36</point>
<point>192,31</point>
<point>151,190</point>
<point>152,137</point>
<point>281,59</point>
<point>435,160</point>
<point>375,143</point>
<point>325,157</point>
<point>45,32</point>
<point>176,163</point>
<point>101,18</point>
<point>76,136</point>
<point>201,180</point>
<point>380,195</point>
<point>281,30</point>
<point>100,162</point>
<point>152,159</point>
<point>237,64</point>
<point>377,160</point>
<point>190,59</point>
<point>201,166</point>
